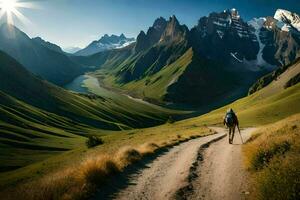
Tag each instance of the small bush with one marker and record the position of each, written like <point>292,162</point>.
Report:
<point>93,141</point>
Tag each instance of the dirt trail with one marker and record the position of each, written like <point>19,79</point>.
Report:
<point>221,174</point>
<point>181,174</point>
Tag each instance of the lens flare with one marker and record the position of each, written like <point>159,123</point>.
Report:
<point>10,9</point>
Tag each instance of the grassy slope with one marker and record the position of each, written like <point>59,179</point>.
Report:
<point>267,79</point>
<point>255,110</point>
<point>29,134</point>
<point>272,157</point>
<point>39,120</point>
<point>91,110</point>
<point>155,86</point>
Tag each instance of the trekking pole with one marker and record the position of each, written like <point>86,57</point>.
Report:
<point>240,134</point>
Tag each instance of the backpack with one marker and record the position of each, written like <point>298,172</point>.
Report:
<point>229,119</point>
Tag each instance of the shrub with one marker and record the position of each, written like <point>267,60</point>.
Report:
<point>93,141</point>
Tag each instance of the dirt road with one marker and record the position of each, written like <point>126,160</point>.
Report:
<point>192,170</point>
<point>221,173</point>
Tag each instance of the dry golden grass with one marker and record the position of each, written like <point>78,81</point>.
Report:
<point>81,181</point>
<point>272,157</point>
<point>126,156</point>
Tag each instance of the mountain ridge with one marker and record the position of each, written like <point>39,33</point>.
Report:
<point>105,43</point>
<point>41,58</point>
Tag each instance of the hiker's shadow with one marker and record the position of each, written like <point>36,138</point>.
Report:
<point>123,180</point>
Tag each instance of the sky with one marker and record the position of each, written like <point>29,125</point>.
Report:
<point>75,23</point>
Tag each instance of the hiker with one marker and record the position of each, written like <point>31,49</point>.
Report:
<point>231,121</point>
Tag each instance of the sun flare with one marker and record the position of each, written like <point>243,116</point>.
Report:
<point>8,5</point>
<point>10,9</point>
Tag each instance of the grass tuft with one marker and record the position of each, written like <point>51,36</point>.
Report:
<point>95,171</point>
<point>126,156</point>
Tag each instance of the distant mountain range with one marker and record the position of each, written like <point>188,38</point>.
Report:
<point>42,58</point>
<point>214,62</point>
<point>71,49</point>
<point>105,43</point>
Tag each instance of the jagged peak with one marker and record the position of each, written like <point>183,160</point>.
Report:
<point>288,18</point>
<point>282,14</point>
<point>280,11</point>
<point>142,33</point>
<point>159,21</point>
<point>122,35</point>
<point>173,19</point>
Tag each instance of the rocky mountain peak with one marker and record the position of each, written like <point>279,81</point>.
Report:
<point>159,23</point>
<point>122,36</point>
<point>174,31</point>
<point>142,42</point>
<point>287,17</point>
<point>153,35</point>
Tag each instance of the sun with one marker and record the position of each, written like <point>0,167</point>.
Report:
<point>10,9</point>
<point>8,5</point>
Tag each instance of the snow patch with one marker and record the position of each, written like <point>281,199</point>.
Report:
<point>235,57</point>
<point>288,18</point>
<point>220,33</point>
<point>219,24</point>
<point>257,24</point>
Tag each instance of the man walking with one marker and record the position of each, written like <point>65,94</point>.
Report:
<point>231,121</point>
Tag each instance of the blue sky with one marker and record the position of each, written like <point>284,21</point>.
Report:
<point>78,22</point>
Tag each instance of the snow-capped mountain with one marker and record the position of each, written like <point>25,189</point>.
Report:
<point>106,43</point>
<point>287,19</point>
<point>278,38</point>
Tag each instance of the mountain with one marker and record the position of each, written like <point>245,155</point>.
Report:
<point>105,43</point>
<point>225,36</point>
<point>212,64</point>
<point>39,57</point>
<point>153,35</point>
<point>71,50</point>
<point>289,18</point>
<point>48,45</point>
<point>279,37</point>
